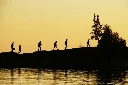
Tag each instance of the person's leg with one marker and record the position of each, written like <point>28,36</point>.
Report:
<point>54,46</point>
<point>40,48</point>
<point>20,50</point>
<point>13,49</point>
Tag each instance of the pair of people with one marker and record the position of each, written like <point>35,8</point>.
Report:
<point>12,47</point>
<point>55,44</point>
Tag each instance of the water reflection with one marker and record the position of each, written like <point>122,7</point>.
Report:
<point>11,75</point>
<point>29,76</point>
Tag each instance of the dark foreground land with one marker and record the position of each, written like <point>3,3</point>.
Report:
<point>76,58</point>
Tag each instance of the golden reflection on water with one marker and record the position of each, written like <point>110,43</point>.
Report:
<point>27,76</point>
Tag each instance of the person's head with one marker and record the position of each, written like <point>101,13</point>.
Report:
<point>13,42</point>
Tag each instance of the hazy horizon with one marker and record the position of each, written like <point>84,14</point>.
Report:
<point>26,22</point>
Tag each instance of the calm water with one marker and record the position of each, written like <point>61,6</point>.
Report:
<point>27,76</point>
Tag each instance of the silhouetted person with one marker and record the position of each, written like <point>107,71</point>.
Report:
<point>12,47</point>
<point>55,45</point>
<point>39,46</point>
<point>19,48</point>
<point>88,45</point>
<point>66,45</point>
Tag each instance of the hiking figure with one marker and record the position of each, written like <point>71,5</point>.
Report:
<point>19,48</point>
<point>55,45</point>
<point>39,46</point>
<point>66,43</point>
<point>88,45</point>
<point>12,47</point>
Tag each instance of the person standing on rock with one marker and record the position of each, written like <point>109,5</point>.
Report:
<point>39,46</point>
<point>19,48</point>
<point>88,45</point>
<point>12,47</point>
<point>55,45</point>
<point>66,45</point>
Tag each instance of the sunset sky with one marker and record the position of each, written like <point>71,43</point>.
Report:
<point>26,22</point>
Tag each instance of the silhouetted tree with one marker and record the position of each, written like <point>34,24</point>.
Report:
<point>105,36</point>
<point>97,29</point>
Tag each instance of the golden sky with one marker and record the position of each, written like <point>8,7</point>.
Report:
<point>27,22</point>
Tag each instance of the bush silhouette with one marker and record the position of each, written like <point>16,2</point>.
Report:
<point>105,36</point>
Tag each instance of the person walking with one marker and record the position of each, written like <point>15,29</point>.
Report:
<point>55,45</point>
<point>88,45</point>
<point>66,45</point>
<point>19,48</point>
<point>39,46</point>
<point>12,47</point>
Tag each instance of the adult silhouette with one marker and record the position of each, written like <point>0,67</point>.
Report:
<point>88,44</point>
<point>66,45</point>
<point>55,44</point>
<point>12,47</point>
<point>39,46</point>
<point>19,48</point>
